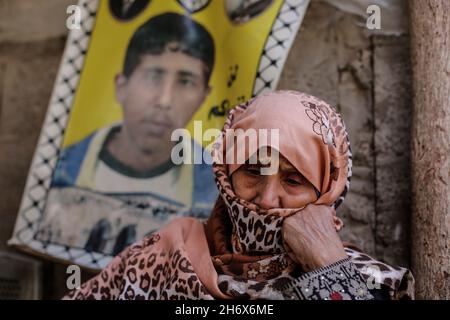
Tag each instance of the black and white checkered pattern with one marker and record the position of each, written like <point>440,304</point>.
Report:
<point>277,45</point>
<point>49,144</point>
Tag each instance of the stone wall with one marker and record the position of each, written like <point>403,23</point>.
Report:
<point>365,75</point>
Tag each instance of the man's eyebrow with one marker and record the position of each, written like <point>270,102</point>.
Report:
<point>186,73</point>
<point>155,69</point>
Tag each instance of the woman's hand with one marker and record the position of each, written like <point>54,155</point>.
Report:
<point>311,239</point>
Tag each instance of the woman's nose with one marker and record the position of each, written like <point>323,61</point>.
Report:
<point>268,195</point>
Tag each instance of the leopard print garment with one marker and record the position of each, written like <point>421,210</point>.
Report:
<point>265,276</point>
<point>154,269</point>
<point>160,267</point>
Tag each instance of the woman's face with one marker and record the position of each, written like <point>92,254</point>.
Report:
<point>285,189</point>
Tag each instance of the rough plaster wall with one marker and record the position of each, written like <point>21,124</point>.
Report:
<point>394,17</point>
<point>366,76</point>
<point>332,57</point>
<point>392,111</point>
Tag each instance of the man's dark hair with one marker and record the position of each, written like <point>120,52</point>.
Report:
<point>153,37</point>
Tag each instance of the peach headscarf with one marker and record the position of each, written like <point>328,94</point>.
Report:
<point>312,136</point>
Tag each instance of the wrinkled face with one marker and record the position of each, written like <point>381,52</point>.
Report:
<point>287,188</point>
<point>162,94</point>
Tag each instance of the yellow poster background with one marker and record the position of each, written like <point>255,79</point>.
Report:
<point>95,105</point>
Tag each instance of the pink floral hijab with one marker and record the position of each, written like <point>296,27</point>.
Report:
<point>311,135</point>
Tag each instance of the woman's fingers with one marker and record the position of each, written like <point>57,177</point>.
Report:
<point>290,252</point>
<point>311,238</point>
<point>338,223</point>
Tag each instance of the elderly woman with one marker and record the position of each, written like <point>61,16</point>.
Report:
<point>270,236</point>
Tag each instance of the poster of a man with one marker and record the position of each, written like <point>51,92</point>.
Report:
<point>111,166</point>
<point>164,80</point>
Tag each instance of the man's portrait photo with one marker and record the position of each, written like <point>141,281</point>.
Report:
<point>119,182</point>
<point>164,81</point>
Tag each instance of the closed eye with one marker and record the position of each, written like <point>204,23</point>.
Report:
<point>254,171</point>
<point>294,182</point>
<point>294,179</point>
